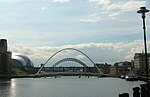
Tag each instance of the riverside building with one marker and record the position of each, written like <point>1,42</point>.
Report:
<point>139,62</point>
<point>5,60</point>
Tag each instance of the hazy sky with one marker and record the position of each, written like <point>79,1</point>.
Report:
<point>106,30</point>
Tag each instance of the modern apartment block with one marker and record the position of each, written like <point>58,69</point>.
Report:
<point>5,60</point>
<point>139,62</point>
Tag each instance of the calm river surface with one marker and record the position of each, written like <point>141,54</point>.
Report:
<point>66,87</point>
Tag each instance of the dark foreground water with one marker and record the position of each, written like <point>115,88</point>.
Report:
<point>66,87</point>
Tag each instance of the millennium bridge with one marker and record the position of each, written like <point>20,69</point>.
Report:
<point>55,70</point>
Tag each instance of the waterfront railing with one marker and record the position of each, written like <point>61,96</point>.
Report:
<point>142,91</point>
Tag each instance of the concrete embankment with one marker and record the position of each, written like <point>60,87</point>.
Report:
<point>23,76</point>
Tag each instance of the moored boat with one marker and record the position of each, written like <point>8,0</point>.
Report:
<point>131,78</point>
<point>122,76</point>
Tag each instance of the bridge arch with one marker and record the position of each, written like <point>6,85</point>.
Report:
<point>70,59</point>
<point>64,50</point>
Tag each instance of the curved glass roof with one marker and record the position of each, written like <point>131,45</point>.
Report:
<point>26,62</point>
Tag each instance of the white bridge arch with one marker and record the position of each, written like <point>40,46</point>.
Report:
<point>64,50</point>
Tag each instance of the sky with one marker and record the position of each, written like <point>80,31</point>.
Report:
<point>108,31</point>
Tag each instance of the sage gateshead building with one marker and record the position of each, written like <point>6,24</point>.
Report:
<point>21,61</point>
<point>5,60</point>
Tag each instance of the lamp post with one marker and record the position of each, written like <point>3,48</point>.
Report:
<point>142,11</point>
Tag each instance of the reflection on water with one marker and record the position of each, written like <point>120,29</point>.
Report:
<point>66,87</point>
<point>5,86</point>
<point>13,88</point>
<point>8,88</point>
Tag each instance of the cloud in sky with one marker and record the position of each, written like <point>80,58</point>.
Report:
<point>60,1</point>
<point>112,9</point>
<point>98,52</point>
<point>129,5</point>
<point>93,18</point>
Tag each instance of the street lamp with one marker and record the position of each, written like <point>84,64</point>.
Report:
<point>142,11</point>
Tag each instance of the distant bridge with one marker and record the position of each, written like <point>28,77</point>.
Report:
<point>69,59</point>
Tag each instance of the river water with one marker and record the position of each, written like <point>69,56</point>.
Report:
<point>66,87</point>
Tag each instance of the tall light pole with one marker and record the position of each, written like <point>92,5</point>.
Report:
<point>142,11</point>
